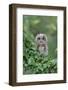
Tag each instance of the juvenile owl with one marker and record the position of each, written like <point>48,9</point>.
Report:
<point>42,43</point>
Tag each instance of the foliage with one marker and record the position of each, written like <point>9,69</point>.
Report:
<point>33,61</point>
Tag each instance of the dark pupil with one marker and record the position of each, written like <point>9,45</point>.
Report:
<point>43,38</point>
<point>38,38</point>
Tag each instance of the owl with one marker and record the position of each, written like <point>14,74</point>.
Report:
<point>42,43</point>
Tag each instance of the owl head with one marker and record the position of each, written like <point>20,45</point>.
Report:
<point>41,39</point>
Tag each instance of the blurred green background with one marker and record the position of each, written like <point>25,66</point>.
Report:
<point>33,62</point>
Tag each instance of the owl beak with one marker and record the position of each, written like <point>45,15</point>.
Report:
<point>41,42</point>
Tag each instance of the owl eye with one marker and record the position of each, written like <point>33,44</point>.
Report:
<point>38,38</point>
<point>43,38</point>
